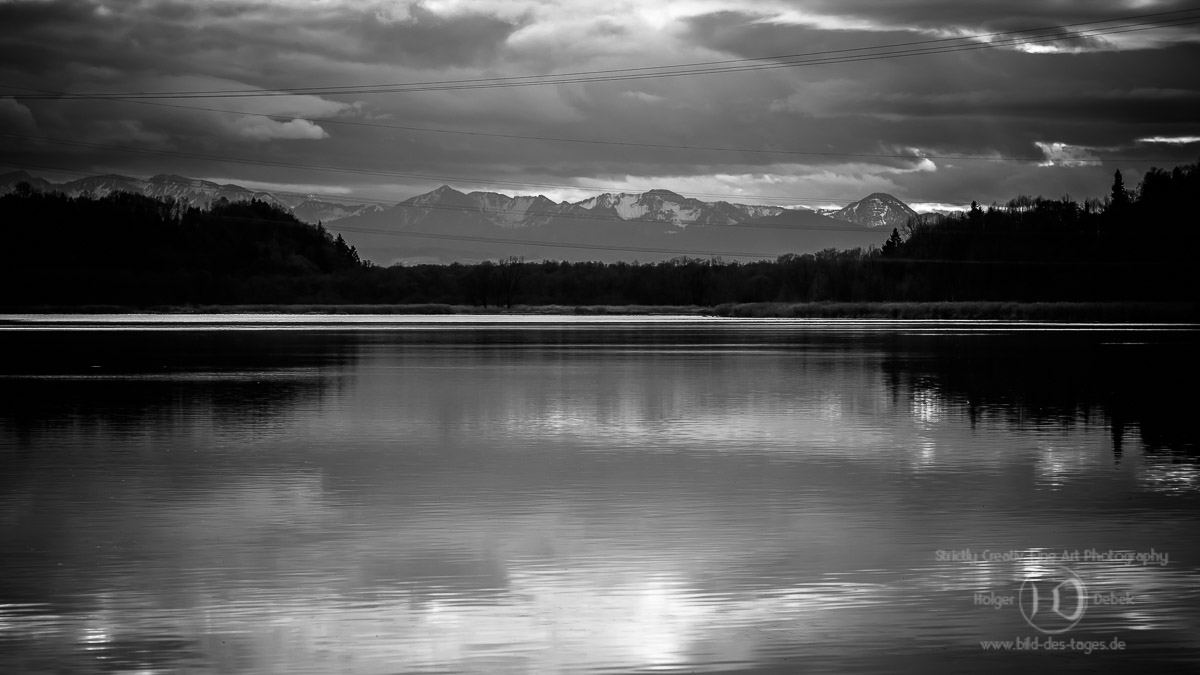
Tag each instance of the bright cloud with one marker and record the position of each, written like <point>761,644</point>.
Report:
<point>1062,154</point>
<point>1171,140</point>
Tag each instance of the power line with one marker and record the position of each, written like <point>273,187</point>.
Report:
<point>125,97</point>
<point>725,70</point>
<point>656,146</point>
<point>495,85</point>
<point>678,65</point>
<point>849,227</point>
<point>335,197</point>
<point>549,244</point>
<point>391,174</point>
<point>823,58</point>
<point>721,254</point>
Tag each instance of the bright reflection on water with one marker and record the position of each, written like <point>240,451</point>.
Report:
<point>394,495</point>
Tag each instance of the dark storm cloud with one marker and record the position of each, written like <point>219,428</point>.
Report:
<point>162,46</point>
<point>998,100</point>
<point>224,39</point>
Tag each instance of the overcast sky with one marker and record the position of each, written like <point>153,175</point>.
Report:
<point>1130,95</point>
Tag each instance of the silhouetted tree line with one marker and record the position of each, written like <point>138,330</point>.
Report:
<point>1134,245</point>
<point>130,249</point>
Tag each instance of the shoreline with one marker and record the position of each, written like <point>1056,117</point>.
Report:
<point>1105,312</point>
<point>426,309</point>
<point>1083,312</point>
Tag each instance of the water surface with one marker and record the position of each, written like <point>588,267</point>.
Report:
<point>291,494</point>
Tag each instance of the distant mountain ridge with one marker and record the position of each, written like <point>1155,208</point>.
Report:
<point>876,210</point>
<point>666,206</point>
<point>447,225</point>
<point>655,206</point>
<point>190,191</point>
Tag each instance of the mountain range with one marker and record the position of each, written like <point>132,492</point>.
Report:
<point>447,225</point>
<point>191,191</point>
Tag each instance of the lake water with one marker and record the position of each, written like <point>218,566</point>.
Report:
<point>247,494</point>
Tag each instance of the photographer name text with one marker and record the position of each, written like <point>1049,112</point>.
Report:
<point>1091,555</point>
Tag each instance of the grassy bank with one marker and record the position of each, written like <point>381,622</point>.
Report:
<point>423,309</point>
<point>1000,311</point>
<point>997,311</point>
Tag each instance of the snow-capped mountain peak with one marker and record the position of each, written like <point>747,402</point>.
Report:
<point>670,207</point>
<point>876,210</point>
<point>443,194</point>
<point>656,206</point>
<point>512,212</point>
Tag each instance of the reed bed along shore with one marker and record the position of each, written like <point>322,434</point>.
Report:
<point>1116,312</point>
<point>996,311</point>
<point>343,309</point>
